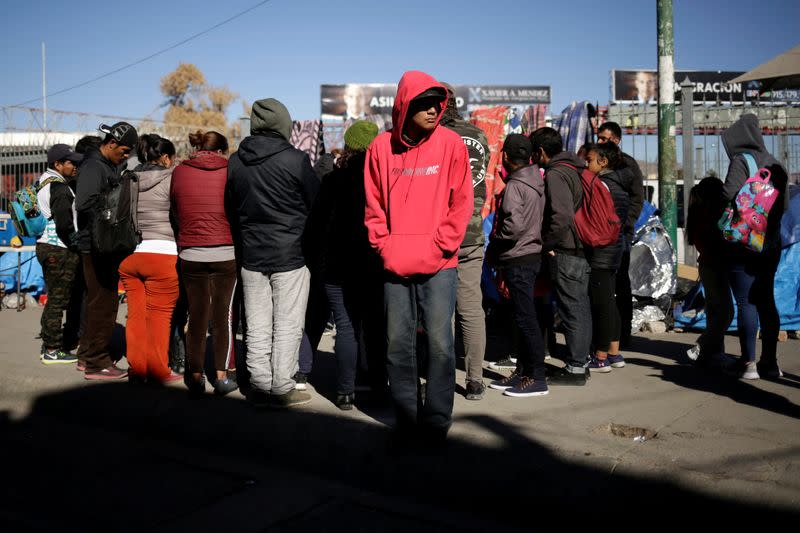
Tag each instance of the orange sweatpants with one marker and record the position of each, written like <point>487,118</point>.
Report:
<point>151,285</point>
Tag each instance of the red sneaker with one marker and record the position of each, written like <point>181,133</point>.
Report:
<point>111,372</point>
<point>80,367</point>
<point>172,378</point>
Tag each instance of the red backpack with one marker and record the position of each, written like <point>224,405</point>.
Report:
<point>596,219</point>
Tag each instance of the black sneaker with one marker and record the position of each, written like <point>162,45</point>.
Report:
<point>345,401</point>
<point>506,383</point>
<point>300,381</point>
<point>225,386</point>
<point>475,390</point>
<point>258,398</point>
<point>509,363</point>
<point>564,377</point>
<point>293,398</point>
<point>57,357</point>
<point>527,387</point>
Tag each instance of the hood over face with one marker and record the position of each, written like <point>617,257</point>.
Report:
<point>412,84</point>
<point>206,160</point>
<point>257,148</point>
<point>744,135</point>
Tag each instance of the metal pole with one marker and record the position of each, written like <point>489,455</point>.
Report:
<point>666,120</point>
<point>687,125</point>
<point>44,90</point>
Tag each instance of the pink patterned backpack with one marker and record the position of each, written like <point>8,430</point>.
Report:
<point>745,220</point>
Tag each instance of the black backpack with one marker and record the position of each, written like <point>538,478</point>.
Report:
<point>115,225</point>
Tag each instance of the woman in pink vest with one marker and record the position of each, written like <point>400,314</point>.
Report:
<point>207,261</point>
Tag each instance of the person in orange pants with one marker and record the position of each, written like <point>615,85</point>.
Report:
<point>150,274</point>
<point>151,285</point>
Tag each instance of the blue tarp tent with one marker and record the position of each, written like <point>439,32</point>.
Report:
<point>32,278</point>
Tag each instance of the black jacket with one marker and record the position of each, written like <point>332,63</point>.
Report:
<point>61,199</point>
<point>338,245</point>
<point>563,195</point>
<point>271,188</point>
<point>609,257</point>
<point>95,174</point>
<point>478,148</point>
<point>744,136</point>
<point>631,179</point>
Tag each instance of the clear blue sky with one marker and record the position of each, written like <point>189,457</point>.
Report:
<point>287,48</point>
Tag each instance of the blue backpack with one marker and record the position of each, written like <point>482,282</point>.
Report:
<point>25,213</point>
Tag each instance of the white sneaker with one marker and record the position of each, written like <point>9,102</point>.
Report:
<point>693,353</point>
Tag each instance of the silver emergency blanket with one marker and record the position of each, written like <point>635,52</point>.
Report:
<point>649,313</point>
<point>652,258</point>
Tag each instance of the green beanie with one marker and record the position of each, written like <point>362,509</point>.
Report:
<point>360,135</point>
<point>271,115</point>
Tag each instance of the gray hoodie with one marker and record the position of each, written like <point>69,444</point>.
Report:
<point>154,202</point>
<point>744,136</point>
<point>517,234</point>
<point>564,194</point>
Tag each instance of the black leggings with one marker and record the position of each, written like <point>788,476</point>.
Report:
<point>605,315</point>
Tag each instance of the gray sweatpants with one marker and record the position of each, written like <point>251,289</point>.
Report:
<point>275,307</point>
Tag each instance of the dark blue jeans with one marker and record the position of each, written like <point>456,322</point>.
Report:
<point>520,280</point>
<point>344,302</point>
<point>753,284</point>
<point>430,300</point>
<point>570,277</point>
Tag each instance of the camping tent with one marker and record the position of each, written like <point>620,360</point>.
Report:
<point>781,72</point>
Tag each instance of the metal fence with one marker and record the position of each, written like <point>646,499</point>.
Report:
<point>24,140</point>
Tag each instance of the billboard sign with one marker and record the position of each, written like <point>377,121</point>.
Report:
<point>641,86</point>
<point>357,100</point>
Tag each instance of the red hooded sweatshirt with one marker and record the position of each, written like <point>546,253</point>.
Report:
<point>419,198</point>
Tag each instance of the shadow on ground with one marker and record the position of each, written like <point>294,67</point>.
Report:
<point>113,457</point>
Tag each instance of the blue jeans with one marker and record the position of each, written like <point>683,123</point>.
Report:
<point>430,300</point>
<point>753,284</point>
<point>570,277</point>
<point>520,280</point>
<point>344,302</point>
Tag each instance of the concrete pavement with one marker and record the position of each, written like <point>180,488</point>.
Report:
<point>85,456</point>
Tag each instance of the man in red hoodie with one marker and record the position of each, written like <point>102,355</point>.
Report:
<point>419,196</point>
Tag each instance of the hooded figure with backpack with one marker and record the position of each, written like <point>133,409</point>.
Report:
<point>603,160</point>
<point>100,178</point>
<point>751,273</point>
<point>569,269</point>
<point>272,187</point>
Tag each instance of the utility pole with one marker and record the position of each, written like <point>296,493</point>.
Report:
<point>44,91</point>
<point>687,129</point>
<point>666,121</point>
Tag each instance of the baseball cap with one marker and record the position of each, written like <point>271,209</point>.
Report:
<point>433,92</point>
<point>518,146</point>
<point>60,152</point>
<point>122,132</point>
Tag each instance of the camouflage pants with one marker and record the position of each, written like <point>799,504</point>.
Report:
<point>59,266</point>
